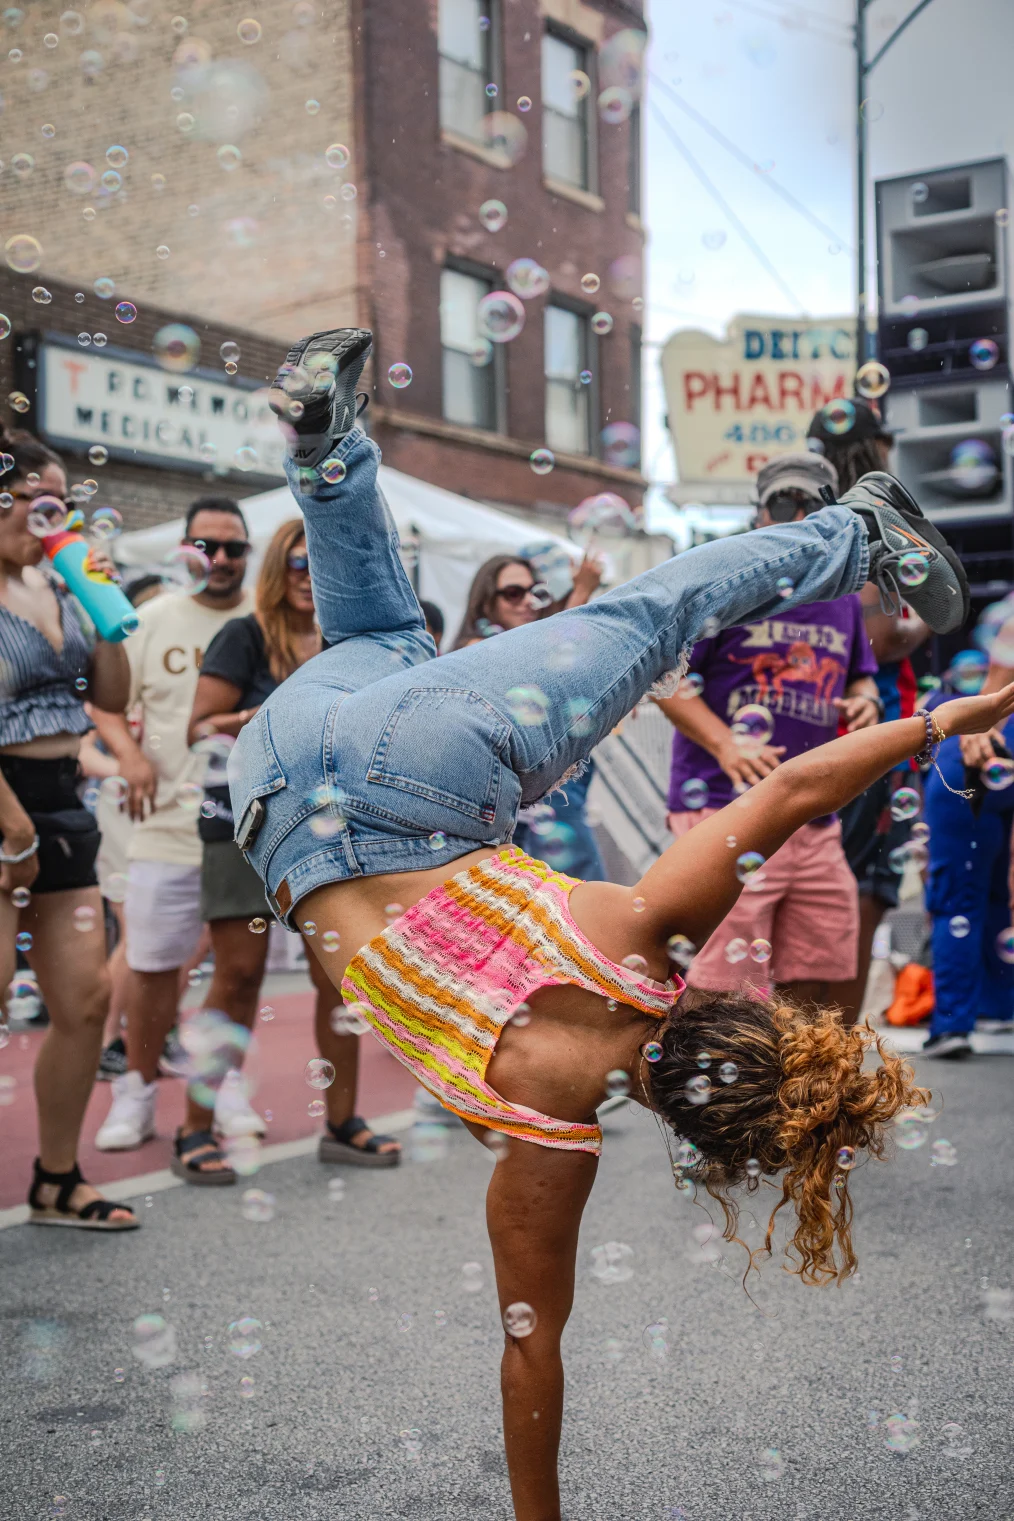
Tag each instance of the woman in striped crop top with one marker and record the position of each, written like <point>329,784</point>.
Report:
<point>376,792</point>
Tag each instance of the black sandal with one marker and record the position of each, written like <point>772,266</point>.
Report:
<point>337,1146</point>
<point>95,1216</point>
<point>190,1167</point>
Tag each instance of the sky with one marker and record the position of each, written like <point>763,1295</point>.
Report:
<point>777,80</point>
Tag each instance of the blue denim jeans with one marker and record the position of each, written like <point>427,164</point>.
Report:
<point>375,757</point>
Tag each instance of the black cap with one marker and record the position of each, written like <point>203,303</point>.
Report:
<point>845,421</point>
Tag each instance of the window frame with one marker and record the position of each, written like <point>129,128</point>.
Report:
<point>589,51</point>
<point>498,363</point>
<point>495,72</point>
<point>584,313</point>
<point>635,149</point>
<point>636,350</point>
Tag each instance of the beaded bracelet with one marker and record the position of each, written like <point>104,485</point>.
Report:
<point>926,757</point>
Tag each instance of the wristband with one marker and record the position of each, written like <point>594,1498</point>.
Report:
<point>926,757</point>
<point>22,855</point>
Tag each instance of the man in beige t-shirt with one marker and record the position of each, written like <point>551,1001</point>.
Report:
<point>163,915</point>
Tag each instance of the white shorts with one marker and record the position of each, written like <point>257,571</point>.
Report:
<point>163,911</point>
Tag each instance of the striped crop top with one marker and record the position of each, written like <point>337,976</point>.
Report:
<point>439,984</point>
<point>38,695</point>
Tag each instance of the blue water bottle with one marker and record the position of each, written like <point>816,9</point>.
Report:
<point>101,598</point>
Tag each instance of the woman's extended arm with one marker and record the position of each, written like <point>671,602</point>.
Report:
<point>694,885</point>
<point>534,1204</point>
<point>215,711</point>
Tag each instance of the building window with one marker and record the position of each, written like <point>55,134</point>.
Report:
<point>568,399</point>
<point>466,65</point>
<point>566,152</point>
<point>470,367</point>
<point>634,166</point>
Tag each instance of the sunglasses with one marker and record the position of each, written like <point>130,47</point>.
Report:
<point>298,562</point>
<point>235,549</point>
<point>515,594</point>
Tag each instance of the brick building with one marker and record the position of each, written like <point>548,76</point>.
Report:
<point>255,174</point>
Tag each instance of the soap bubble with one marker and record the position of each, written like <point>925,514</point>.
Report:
<point>504,134</point>
<point>691,685</point>
<point>500,316</point>
<point>728,1072</point>
<point>590,284</point>
<point>943,1154</point>
<point>18,401</point>
<point>714,240</point>
<point>905,803</point>
<point>318,1073</point>
<point>617,1083</point>
<point>154,1342</point>
<point>771,1465</point>
<point>838,417</point>
<point>697,1089</point>
<point>748,865</point>
<point>176,347</point>
<point>20,897</point>
<point>753,1168</point>
<point>245,1337</point>
<point>736,950</point>
<point>656,1340</point>
<point>330,941</point>
<point>471,1277</point>
<point>337,156</point>
<point>437,840</point>
<point>760,950</point>
<point>635,963</point>
<point>601,324</point>
<point>186,569</point>
<point>872,379</point>
<point>258,1206</point>
<point>959,926</point>
<point>399,375</point>
<point>752,726</point>
<point>493,215</point>
<point>257,926</point>
<point>652,1051</point>
<point>528,706</point>
<point>983,354</point>
<point>83,918</point>
<point>694,793</point>
<point>605,512</point>
<point>973,467</point>
<point>909,1131</point>
<point>249,31</point>
<point>913,568</point>
<point>681,950</point>
<point>1005,946</point>
<point>98,454</point>
<point>541,461</point>
<point>902,1433</point>
<point>23,253</point>
<point>612,1262</point>
<point>846,1158</point>
<point>998,774</point>
<point>23,941</point>
<point>106,523</point>
<point>967,672</point>
<point>615,105</point>
<point>333,471</point>
<point>79,177</point>
<point>47,515</point>
<point>917,339</point>
<point>527,278</point>
<point>784,587</point>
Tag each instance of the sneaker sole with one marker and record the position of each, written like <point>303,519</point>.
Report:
<point>124,1145</point>
<point>950,1054</point>
<point>330,1150</point>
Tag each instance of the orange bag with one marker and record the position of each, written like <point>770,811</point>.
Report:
<point>913,996</point>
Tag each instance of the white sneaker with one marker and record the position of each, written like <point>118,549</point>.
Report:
<point>234,1114</point>
<point>131,1118</point>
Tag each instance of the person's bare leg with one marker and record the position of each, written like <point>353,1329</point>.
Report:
<point>342,1051</point>
<point>851,994</point>
<point>70,964</point>
<point>151,1014</point>
<point>119,976</point>
<point>240,959</point>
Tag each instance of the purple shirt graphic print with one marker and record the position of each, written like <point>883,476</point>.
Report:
<point>795,666</point>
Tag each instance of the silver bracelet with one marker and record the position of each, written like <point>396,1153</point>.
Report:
<point>22,855</point>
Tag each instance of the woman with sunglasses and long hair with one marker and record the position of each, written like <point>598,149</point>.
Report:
<point>242,666</point>
<point>505,593</point>
<point>50,905</point>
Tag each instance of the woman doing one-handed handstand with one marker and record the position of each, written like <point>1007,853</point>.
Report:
<point>446,928</point>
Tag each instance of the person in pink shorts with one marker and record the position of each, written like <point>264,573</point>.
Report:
<point>797,924</point>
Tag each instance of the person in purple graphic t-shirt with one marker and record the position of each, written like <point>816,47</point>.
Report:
<point>797,926</point>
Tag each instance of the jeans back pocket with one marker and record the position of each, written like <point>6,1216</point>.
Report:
<point>444,745</point>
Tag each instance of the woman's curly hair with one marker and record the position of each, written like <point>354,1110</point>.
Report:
<point>800,1096</point>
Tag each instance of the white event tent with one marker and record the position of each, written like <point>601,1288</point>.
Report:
<point>454,536</point>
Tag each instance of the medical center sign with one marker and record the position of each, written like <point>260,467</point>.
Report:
<point>735,403</point>
<point>192,420</point>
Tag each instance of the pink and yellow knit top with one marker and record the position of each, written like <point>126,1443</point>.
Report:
<point>439,984</point>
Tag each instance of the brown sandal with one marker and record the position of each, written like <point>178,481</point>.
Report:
<point>192,1152</point>
<point>94,1216</point>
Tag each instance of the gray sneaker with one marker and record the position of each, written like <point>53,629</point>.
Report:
<point>903,542</point>
<point>314,393</point>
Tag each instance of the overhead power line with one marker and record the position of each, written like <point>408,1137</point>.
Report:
<point>720,200</point>
<point>744,158</point>
<point>805,20</point>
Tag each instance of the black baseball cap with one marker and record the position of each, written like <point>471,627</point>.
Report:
<point>847,420</point>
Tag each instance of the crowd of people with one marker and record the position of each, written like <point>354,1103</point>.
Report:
<point>153,879</point>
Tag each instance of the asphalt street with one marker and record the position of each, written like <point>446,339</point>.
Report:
<point>374,1393</point>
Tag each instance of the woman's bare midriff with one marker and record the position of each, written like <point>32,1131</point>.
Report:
<point>557,1062</point>
<point>48,747</point>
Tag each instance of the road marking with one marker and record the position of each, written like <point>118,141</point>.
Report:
<point>123,1189</point>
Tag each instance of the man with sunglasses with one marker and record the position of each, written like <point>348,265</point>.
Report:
<point>810,670</point>
<point>163,917</point>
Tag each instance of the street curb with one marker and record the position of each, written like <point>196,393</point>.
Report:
<point>157,1182</point>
